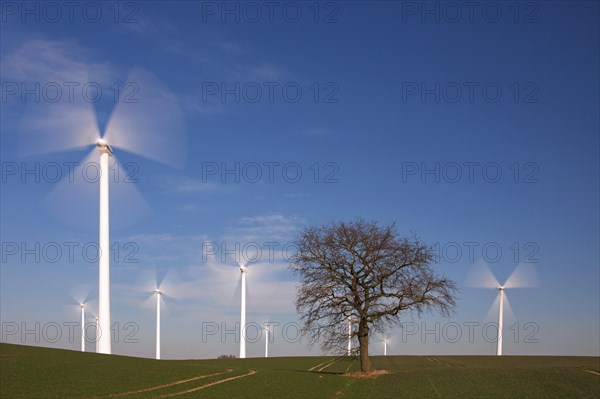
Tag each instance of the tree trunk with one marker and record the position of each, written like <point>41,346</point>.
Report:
<point>363,340</point>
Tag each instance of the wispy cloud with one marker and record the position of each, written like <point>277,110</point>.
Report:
<point>206,279</point>
<point>54,60</point>
<point>190,208</point>
<point>185,185</point>
<point>190,185</point>
<point>217,58</point>
<point>272,226</point>
<point>178,250</point>
<point>296,195</point>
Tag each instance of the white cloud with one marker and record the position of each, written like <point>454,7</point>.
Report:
<point>268,227</point>
<point>45,60</point>
<point>190,208</point>
<point>190,185</point>
<point>213,280</point>
<point>185,184</point>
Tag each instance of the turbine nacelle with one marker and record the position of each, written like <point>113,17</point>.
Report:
<point>102,146</point>
<point>243,269</point>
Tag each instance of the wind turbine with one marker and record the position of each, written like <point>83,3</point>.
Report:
<point>158,293</point>
<point>139,127</point>
<point>349,336</point>
<point>385,342</point>
<point>266,341</point>
<point>244,271</point>
<point>161,287</point>
<point>80,295</point>
<point>82,327</point>
<point>237,276</point>
<point>523,276</point>
<point>500,319</point>
<point>104,344</point>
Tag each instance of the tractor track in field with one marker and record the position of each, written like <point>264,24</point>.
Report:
<point>162,386</point>
<point>592,372</point>
<point>210,384</point>
<point>324,365</point>
<point>444,362</point>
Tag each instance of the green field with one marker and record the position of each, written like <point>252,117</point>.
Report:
<point>30,372</point>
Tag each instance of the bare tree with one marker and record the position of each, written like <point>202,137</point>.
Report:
<point>366,273</point>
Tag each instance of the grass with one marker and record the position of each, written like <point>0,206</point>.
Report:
<point>32,372</point>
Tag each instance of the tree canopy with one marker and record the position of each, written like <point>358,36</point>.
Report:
<point>363,273</point>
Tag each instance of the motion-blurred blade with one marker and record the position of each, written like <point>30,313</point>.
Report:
<point>91,308</point>
<point>149,122</point>
<point>237,292</point>
<point>525,275</point>
<point>80,294</point>
<point>509,315</point>
<point>74,308</point>
<point>492,314</point>
<point>146,283</point>
<point>127,205</point>
<point>250,302</point>
<point>52,127</point>
<point>481,276</point>
<point>75,199</point>
<point>168,283</point>
<point>149,302</point>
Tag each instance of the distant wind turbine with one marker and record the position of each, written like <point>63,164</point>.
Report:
<point>385,345</point>
<point>500,321</point>
<point>244,271</point>
<point>349,336</point>
<point>266,341</point>
<point>158,293</point>
<point>82,327</point>
<point>161,287</point>
<point>80,295</point>
<point>523,276</point>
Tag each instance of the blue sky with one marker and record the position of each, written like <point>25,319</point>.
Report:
<point>477,128</point>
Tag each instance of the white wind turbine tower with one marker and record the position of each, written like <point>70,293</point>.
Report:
<point>80,295</point>
<point>385,344</point>
<point>152,126</point>
<point>104,344</point>
<point>162,288</point>
<point>97,332</point>
<point>266,341</point>
<point>158,293</point>
<point>500,321</point>
<point>93,315</point>
<point>82,327</point>
<point>244,271</point>
<point>523,276</point>
<point>349,335</point>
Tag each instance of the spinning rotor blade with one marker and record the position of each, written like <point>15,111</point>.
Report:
<point>492,314</point>
<point>525,275</point>
<point>53,127</point>
<point>75,199</point>
<point>481,276</point>
<point>80,294</point>
<point>148,121</point>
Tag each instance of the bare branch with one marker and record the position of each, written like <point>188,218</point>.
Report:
<point>364,272</point>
